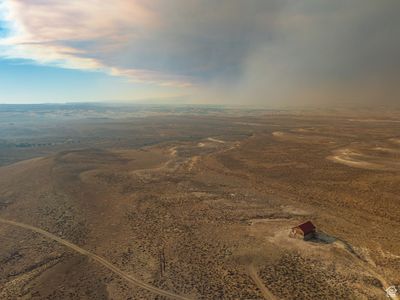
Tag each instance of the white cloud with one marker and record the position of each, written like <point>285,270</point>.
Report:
<point>56,32</point>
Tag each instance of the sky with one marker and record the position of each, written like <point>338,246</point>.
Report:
<point>256,52</point>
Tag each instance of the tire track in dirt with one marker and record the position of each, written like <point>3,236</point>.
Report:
<point>257,280</point>
<point>96,258</point>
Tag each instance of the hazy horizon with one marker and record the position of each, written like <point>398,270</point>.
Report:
<point>264,53</point>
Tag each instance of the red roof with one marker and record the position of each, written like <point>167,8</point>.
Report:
<point>307,227</point>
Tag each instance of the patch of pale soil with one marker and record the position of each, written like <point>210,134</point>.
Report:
<point>386,150</point>
<point>395,140</point>
<point>303,130</point>
<point>355,163</point>
<point>352,158</point>
<point>294,210</point>
<point>282,239</point>
<point>374,120</point>
<point>296,136</point>
<point>216,140</point>
<point>277,233</point>
<point>278,133</point>
<point>173,151</point>
<point>250,124</point>
<point>202,194</point>
<point>192,162</point>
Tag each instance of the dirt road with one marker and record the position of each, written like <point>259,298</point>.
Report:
<point>368,267</point>
<point>257,280</point>
<point>97,258</point>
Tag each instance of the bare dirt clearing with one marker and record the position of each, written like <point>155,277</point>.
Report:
<point>376,155</point>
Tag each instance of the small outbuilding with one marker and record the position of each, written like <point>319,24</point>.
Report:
<point>304,231</point>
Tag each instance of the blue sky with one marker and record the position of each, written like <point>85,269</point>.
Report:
<point>26,82</point>
<point>263,52</point>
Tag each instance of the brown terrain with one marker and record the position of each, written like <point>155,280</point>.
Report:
<point>203,208</point>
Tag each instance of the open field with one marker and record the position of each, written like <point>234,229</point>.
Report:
<point>198,203</point>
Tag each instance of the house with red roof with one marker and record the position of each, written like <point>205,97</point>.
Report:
<point>304,231</point>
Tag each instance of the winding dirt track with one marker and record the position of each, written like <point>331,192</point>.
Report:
<point>97,258</point>
<point>267,294</point>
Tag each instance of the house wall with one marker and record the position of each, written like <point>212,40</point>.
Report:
<point>296,233</point>
<point>299,234</point>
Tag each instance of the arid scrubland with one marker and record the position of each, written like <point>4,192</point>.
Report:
<point>202,207</point>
